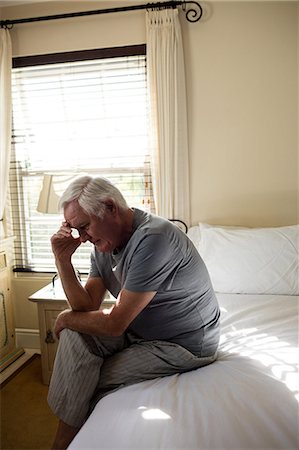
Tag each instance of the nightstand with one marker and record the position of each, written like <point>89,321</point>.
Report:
<point>50,302</point>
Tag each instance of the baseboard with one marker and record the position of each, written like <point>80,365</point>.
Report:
<point>27,338</point>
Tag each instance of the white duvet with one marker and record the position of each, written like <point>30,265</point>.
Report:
<point>247,399</point>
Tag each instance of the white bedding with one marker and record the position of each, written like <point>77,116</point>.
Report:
<point>247,399</point>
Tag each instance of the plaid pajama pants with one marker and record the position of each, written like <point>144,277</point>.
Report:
<point>87,368</point>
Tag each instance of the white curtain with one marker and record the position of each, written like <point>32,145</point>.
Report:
<point>5,117</point>
<point>167,90</point>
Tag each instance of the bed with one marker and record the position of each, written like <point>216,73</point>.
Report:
<point>248,398</point>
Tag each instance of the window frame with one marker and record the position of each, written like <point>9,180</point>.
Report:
<point>78,55</point>
<point>67,57</point>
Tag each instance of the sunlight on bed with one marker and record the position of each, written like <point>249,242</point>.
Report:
<point>279,356</point>
<point>153,413</point>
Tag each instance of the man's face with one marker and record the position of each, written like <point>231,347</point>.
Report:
<point>103,233</point>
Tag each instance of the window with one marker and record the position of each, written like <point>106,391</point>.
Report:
<point>88,115</point>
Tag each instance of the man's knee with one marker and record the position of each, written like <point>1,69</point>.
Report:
<point>68,337</point>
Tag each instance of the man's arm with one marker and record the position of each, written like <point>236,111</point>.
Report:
<point>87,298</point>
<point>106,323</point>
<point>80,298</point>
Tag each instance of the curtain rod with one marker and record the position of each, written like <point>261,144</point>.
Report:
<point>193,14</point>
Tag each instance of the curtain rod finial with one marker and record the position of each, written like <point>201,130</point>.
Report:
<point>192,14</point>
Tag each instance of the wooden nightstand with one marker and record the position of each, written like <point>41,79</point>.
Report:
<point>50,302</point>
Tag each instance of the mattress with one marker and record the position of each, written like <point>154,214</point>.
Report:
<point>247,399</point>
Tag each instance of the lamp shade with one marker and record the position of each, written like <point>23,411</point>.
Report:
<point>53,187</point>
<point>48,199</point>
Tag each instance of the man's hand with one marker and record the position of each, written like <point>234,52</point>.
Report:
<point>112,322</point>
<point>64,244</point>
<point>60,322</point>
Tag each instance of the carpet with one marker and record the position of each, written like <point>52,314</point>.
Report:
<point>26,419</point>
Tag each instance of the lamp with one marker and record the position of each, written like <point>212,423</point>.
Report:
<point>48,199</point>
<point>53,187</point>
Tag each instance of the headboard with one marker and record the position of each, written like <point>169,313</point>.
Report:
<point>181,224</point>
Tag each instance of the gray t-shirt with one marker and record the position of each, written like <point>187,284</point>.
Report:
<point>160,257</point>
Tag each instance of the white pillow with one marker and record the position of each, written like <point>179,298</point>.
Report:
<point>251,261</point>
<point>193,234</point>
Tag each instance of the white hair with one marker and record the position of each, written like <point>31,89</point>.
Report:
<point>91,194</point>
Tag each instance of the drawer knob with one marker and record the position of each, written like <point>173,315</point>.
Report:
<point>49,338</point>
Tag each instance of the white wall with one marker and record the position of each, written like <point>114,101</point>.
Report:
<point>242,83</point>
<point>242,88</point>
<point>99,31</point>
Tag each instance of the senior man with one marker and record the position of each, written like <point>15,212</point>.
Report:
<point>166,316</point>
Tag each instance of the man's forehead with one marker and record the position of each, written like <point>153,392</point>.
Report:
<point>74,214</point>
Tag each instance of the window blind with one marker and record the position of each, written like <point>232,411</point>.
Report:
<point>87,116</point>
